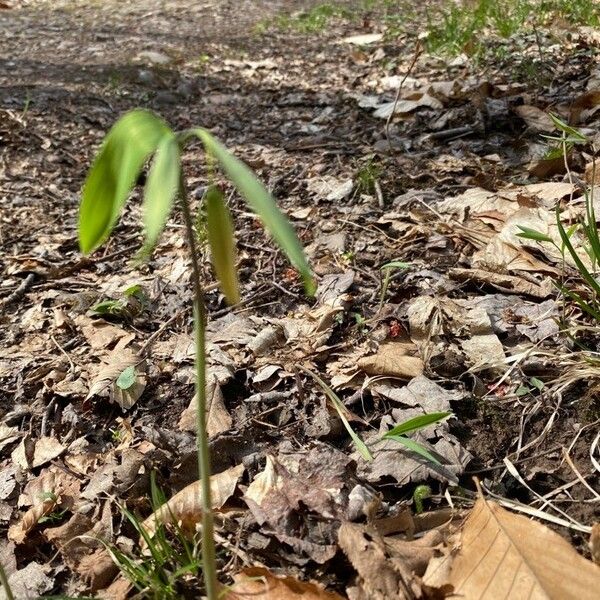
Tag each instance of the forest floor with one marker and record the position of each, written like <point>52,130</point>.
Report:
<point>471,321</point>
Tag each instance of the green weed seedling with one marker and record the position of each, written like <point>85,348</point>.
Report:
<point>399,432</point>
<point>137,137</point>
<point>158,570</point>
<point>587,228</point>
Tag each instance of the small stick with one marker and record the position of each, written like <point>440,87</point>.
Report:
<point>418,50</point>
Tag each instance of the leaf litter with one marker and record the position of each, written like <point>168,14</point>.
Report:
<point>94,401</point>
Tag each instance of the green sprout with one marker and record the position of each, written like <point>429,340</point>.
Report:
<point>136,137</point>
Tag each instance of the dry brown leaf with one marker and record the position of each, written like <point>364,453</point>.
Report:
<point>105,382</point>
<point>101,335</point>
<point>393,359</point>
<point>44,494</point>
<point>535,118</point>
<point>257,583</point>
<point>46,449</point>
<point>386,566</point>
<point>505,555</point>
<point>586,102</point>
<point>595,543</point>
<point>185,508</point>
<point>509,284</point>
<point>219,420</point>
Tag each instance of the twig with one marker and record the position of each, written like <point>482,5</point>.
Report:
<point>20,291</point>
<point>417,53</point>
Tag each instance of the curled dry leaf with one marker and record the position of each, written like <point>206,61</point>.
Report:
<point>535,118</point>
<point>386,567</point>
<point>504,555</point>
<point>257,583</point>
<point>49,490</point>
<point>185,507</point>
<point>109,383</point>
<point>393,359</point>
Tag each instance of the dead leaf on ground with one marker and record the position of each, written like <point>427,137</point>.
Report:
<point>185,508</point>
<point>53,488</point>
<point>257,583</point>
<point>46,449</point>
<point>535,118</point>
<point>387,567</point>
<point>101,335</point>
<point>30,582</point>
<point>393,359</point>
<point>122,379</point>
<point>219,420</point>
<point>302,496</point>
<point>505,555</point>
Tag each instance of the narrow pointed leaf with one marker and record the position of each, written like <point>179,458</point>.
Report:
<point>414,447</point>
<point>416,423</point>
<point>262,203</point>
<point>161,189</point>
<point>532,234</point>
<point>114,172</point>
<point>341,411</point>
<point>222,244</point>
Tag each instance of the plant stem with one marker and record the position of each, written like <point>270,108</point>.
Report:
<point>5,585</point>
<point>209,567</point>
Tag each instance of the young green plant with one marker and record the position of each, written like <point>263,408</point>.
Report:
<point>135,138</point>
<point>588,229</point>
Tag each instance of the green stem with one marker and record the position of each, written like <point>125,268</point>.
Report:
<point>4,581</point>
<point>209,567</point>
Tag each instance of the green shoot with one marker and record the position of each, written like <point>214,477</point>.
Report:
<point>398,433</point>
<point>136,137</point>
<point>421,493</point>
<point>168,561</point>
<point>387,271</point>
<point>341,411</point>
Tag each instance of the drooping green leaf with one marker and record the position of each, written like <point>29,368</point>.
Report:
<point>114,172</point>
<point>127,378</point>
<point>416,423</point>
<point>262,203</point>
<point>161,189</point>
<point>415,447</point>
<point>222,244</point>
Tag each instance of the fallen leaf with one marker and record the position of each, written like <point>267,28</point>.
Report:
<point>110,375</point>
<point>393,359</point>
<point>535,118</point>
<point>46,449</point>
<point>387,568</point>
<point>364,39</point>
<point>219,420</point>
<point>30,582</point>
<point>101,335</point>
<point>185,507</point>
<point>50,489</point>
<point>258,583</point>
<point>504,555</point>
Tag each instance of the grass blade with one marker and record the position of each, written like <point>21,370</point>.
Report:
<point>416,423</point>
<point>415,447</point>
<point>341,411</point>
